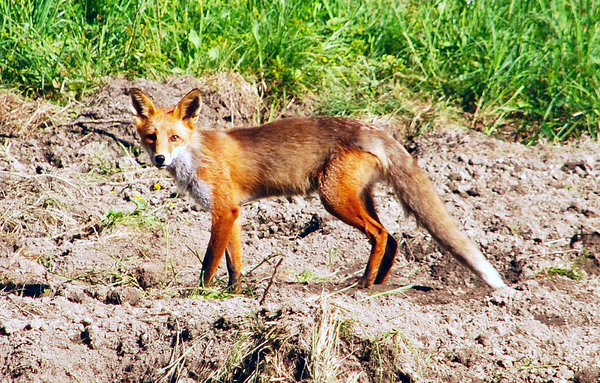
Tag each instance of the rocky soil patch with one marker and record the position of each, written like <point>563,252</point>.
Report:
<point>99,262</point>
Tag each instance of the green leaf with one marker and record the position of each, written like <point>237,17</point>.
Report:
<point>194,38</point>
<point>214,53</point>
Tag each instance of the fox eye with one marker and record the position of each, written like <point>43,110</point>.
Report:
<point>151,137</point>
<point>174,138</point>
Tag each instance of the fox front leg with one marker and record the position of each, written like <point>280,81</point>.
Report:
<point>221,231</point>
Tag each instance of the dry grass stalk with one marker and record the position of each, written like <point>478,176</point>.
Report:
<point>324,356</point>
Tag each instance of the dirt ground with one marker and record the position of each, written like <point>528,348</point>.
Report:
<point>100,258</point>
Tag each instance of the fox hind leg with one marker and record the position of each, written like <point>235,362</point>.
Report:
<point>345,192</point>
<point>391,248</point>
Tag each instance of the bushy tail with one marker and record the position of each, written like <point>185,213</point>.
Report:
<point>416,192</point>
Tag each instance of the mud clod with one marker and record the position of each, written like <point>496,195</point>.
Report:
<point>122,295</point>
<point>149,275</point>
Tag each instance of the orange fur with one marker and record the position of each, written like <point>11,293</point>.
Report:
<point>340,159</point>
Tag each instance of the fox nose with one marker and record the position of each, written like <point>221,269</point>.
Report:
<point>159,159</point>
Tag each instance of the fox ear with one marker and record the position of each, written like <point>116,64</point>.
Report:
<point>189,107</point>
<point>141,106</point>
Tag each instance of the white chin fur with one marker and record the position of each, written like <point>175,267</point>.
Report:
<point>169,157</point>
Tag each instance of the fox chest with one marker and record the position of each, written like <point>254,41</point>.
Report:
<point>200,191</point>
<point>184,169</point>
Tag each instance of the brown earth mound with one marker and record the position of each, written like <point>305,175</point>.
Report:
<point>99,260</point>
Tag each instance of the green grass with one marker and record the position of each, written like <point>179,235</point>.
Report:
<point>309,276</point>
<point>530,67</point>
<point>139,217</point>
<point>574,272</point>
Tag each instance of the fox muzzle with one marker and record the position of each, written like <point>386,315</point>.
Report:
<point>161,160</point>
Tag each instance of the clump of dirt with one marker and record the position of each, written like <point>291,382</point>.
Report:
<point>99,262</point>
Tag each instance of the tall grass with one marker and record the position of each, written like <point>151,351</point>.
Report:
<point>528,66</point>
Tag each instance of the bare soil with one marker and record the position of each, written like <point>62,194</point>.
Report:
<point>100,257</point>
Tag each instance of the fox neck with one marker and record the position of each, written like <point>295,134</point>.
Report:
<point>185,170</point>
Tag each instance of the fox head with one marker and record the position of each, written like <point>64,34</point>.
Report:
<point>165,133</point>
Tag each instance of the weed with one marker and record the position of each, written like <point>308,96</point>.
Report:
<point>309,276</point>
<point>261,353</point>
<point>120,274</point>
<point>171,269</point>
<point>137,218</point>
<point>515,230</point>
<point>200,292</point>
<point>389,292</point>
<point>346,330</point>
<point>574,272</point>
<point>332,256</point>
<point>47,261</point>
<point>393,357</point>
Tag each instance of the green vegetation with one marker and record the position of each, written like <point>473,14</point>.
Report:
<point>309,276</point>
<point>139,217</point>
<point>574,272</point>
<point>208,293</point>
<point>389,292</point>
<point>530,67</point>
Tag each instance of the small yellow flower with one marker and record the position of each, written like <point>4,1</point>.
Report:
<point>139,197</point>
<point>157,186</point>
<point>324,59</point>
<point>112,192</point>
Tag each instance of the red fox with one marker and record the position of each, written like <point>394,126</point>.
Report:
<point>338,158</point>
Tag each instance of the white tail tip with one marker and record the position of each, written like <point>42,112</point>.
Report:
<point>490,275</point>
